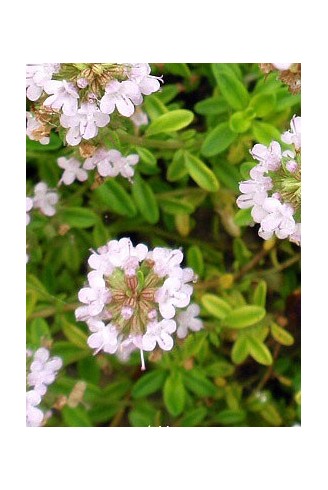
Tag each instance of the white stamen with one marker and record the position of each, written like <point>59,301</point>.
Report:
<point>143,367</point>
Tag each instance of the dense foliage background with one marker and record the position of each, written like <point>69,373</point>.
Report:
<point>241,369</point>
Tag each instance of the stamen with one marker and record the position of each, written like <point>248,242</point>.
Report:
<point>143,366</point>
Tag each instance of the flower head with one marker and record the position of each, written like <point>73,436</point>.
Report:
<point>139,292</point>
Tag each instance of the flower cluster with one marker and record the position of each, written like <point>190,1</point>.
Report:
<point>81,97</point>
<point>43,371</point>
<point>133,299</point>
<point>274,189</point>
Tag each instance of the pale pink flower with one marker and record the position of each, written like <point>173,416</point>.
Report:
<point>72,170</point>
<point>187,320</point>
<point>43,370</point>
<point>45,199</point>
<point>36,77</point>
<point>84,124</point>
<point>140,74</point>
<point>32,127</point>
<point>295,237</point>
<point>95,296</point>
<point>293,137</point>
<point>139,118</point>
<point>34,416</point>
<point>103,337</point>
<point>254,190</point>
<point>166,260</point>
<point>159,333</point>
<point>269,157</point>
<point>282,66</point>
<point>64,96</point>
<point>122,95</point>
<point>278,220</point>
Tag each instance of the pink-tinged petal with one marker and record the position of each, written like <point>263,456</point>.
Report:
<point>270,222</point>
<point>82,313</point>
<point>42,354</point>
<point>259,151</point>
<point>96,307</point>
<point>248,187</point>
<point>132,159</point>
<point>89,164</point>
<point>129,88</point>
<point>90,130</point>
<point>73,136</point>
<point>105,169</point>
<point>33,92</point>
<point>245,201</point>
<point>266,235</point>
<point>52,198</point>
<point>107,104</point>
<point>124,106</point>
<point>101,119</point>
<point>81,175</point>
<point>70,106</point>
<point>165,341</point>
<point>112,87</point>
<point>52,86</point>
<point>62,162</point>
<point>169,325</point>
<point>114,155</point>
<point>271,204</point>
<point>148,342</point>
<point>258,214</point>
<point>86,295</point>
<point>148,85</point>
<point>167,310</point>
<point>141,251</point>
<point>51,102</point>
<point>96,280</point>
<point>68,177</point>
<point>95,340</point>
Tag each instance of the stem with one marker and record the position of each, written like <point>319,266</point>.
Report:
<point>283,265</point>
<point>52,310</point>
<point>149,143</point>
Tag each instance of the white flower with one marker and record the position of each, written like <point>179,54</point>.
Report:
<point>269,157</point>
<point>72,170</point>
<point>293,137</point>
<point>140,74</point>
<point>36,77</point>
<point>34,129</point>
<point>166,260</point>
<point>282,66</point>
<point>159,333</point>
<point>111,163</point>
<point>103,337</point>
<point>122,95</point>
<point>187,320</point>
<point>29,206</point>
<point>95,296</point>
<point>64,96</point>
<point>254,190</point>
<point>84,124</point>
<point>43,370</point>
<point>34,415</point>
<point>174,293</point>
<point>45,199</point>
<point>279,219</point>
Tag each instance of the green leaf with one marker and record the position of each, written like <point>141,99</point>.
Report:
<point>115,391</point>
<point>39,331</point>
<point>271,415</point>
<point>145,200</point>
<point>232,69</point>
<point>230,417</point>
<point>265,133</point>
<point>172,205</point>
<point>195,259</point>
<point>172,121</point>
<point>180,69</point>
<point>233,90</point>
<point>285,100</point>
<point>239,122</point>
<point>220,368</point>
<point>212,105</point>
<point>218,140</point>
<point>142,415</point>
<point>281,335</point>
<point>194,417</point>
<point>74,334</point>
<point>260,292</point>
<point>154,107</point>
<point>196,382</point>
<point>31,300</point>
<point>244,316</point>
<point>115,197</point>
<point>259,351</point>
<point>149,383</point>
<point>216,306</point>
<point>200,173</point>
<point>168,92</point>
<point>54,144</point>
<point>68,352</point>
<point>76,417</point>
<point>227,174</point>
<point>147,160</point>
<point>78,217</point>
<point>243,217</point>
<point>239,350</point>
<point>89,370</point>
<point>174,394</point>
<point>263,104</point>
<point>177,169</point>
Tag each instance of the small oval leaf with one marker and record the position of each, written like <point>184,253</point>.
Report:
<point>218,140</point>
<point>171,121</point>
<point>174,394</point>
<point>245,316</point>
<point>200,173</point>
<point>216,306</point>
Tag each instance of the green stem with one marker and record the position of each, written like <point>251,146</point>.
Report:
<point>51,311</point>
